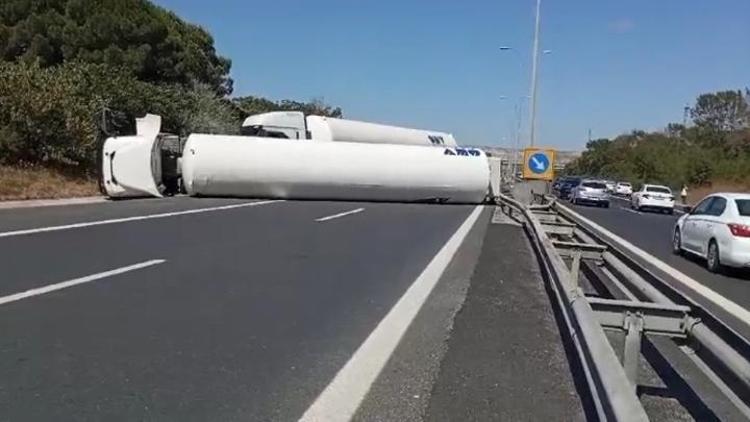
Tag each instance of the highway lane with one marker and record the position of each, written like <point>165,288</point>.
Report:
<point>249,317</point>
<point>652,232</point>
<point>27,218</point>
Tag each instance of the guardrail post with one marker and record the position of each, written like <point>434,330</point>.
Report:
<point>575,267</point>
<point>634,328</point>
<point>612,390</point>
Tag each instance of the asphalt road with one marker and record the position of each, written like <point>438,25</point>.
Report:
<point>222,309</point>
<point>652,232</point>
<point>506,358</point>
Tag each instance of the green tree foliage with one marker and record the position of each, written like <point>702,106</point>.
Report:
<point>723,111</point>
<point>52,115</point>
<point>135,35</point>
<point>715,147</point>
<point>70,67</point>
<point>254,105</point>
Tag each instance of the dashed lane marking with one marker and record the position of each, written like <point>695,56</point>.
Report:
<point>339,215</point>
<point>76,281</point>
<point>134,218</point>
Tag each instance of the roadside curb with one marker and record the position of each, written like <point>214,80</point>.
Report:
<point>34,203</point>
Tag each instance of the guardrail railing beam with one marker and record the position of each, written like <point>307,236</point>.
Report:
<point>610,387</point>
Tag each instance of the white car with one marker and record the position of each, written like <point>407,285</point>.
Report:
<point>718,230</point>
<point>623,188</point>
<point>654,197</point>
<point>590,192</point>
<point>610,186</point>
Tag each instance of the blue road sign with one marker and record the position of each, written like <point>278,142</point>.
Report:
<point>539,163</point>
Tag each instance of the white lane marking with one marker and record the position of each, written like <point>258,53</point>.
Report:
<point>36,203</point>
<point>339,215</point>
<point>676,207</point>
<point>731,307</point>
<point>134,218</point>
<point>631,210</point>
<point>619,198</point>
<point>76,281</point>
<point>341,398</point>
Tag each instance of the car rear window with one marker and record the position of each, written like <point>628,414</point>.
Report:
<point>594,185</point>
<point>627,185</point>
<point>657,189</point>
<point>743,206</point>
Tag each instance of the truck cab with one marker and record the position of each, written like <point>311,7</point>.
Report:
<point>141,165</point>
<point>276,124</point>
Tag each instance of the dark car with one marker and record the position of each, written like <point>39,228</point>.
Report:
<point>566,186</point>
<point>557,183</point>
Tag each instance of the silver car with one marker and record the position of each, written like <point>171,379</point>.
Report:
<point>590,192</point>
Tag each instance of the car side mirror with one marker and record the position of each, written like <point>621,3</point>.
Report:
<point>688,209</point>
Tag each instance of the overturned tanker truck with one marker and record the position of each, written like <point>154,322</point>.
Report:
<point>290,156</point>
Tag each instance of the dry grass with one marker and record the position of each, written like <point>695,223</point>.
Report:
<point>698,193</point>
<point>42,183</point>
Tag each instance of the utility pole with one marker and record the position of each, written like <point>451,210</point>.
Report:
<point>685,112</point>
<point>534,71</point>
<point>517,146</point>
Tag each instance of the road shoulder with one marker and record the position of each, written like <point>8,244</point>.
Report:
<point>505,358</point>
<point>401,391</point>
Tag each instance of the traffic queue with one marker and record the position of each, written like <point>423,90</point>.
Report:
<point>590,191</point>
<point>716,229</point>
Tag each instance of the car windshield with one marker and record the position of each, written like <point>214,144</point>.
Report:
<point>743,207</point>
<point>626,185</point>
<point>594,185</point>
<point>658,189</point>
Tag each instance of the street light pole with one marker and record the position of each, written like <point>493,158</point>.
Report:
<point>518,114</point>
<point>518,111</point>
<point>534,71</point>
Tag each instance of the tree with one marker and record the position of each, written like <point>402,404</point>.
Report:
<point>146,40</point>
<point>723,111</point>
<point>675,129</point>
<point>716,148</point>
<point>50,115</point>
<point>255,105</point>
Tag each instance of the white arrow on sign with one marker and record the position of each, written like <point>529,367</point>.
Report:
<point>539,165</point>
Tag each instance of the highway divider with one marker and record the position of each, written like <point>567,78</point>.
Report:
<point>569,247</point>
<point>612,393</point>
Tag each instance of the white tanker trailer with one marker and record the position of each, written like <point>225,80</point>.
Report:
<point>237,166</point>
<point>154,164</point>
<point>295,125</point>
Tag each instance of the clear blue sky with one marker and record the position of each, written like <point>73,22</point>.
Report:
<point>615,65</point>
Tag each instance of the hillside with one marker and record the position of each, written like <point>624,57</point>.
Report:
<point>713,149</point>
<point>73,72</point>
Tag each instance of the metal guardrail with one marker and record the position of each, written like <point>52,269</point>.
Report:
<point>612,393</point>
<point>653,308</point>
<point>724,353</point>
